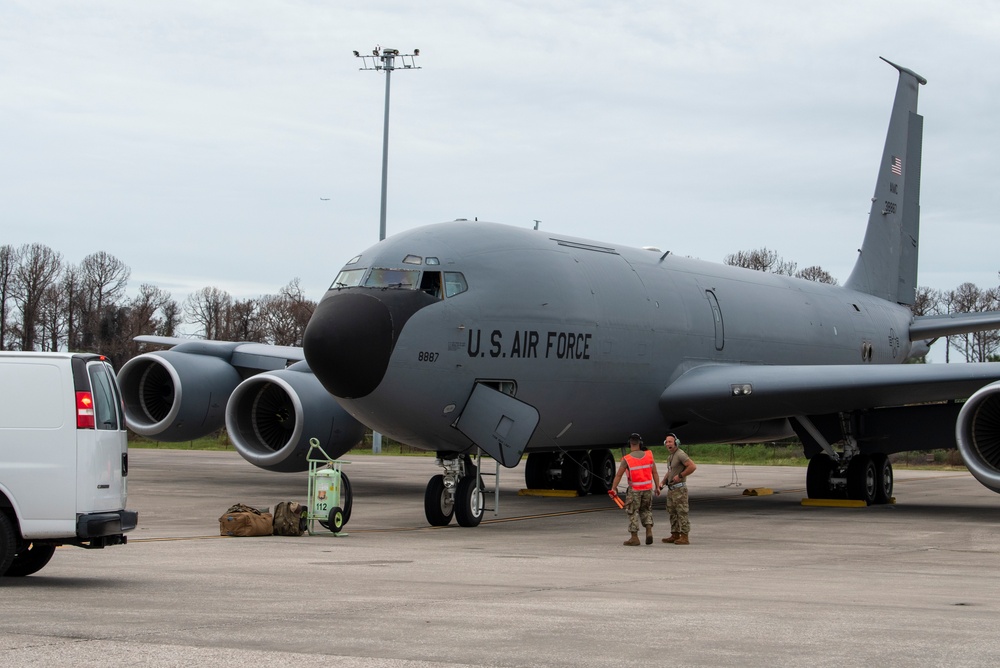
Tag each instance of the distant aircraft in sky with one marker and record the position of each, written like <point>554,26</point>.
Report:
<point>469,337</point>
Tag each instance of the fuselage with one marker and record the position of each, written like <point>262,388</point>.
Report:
<point>588,333</point>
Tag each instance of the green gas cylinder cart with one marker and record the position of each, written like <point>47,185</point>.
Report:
<point>330,497</point>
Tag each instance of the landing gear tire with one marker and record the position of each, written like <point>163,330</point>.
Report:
<point>604,471</point>
<point>438,507</point>
<point>883,477</point>
<point>8,543</point>
<point>536,471</point>
<point>862,481</point>
<point>818,477</point>
<point>469,502</point>
<point>578,472</point>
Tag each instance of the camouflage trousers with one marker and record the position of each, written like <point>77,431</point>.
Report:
<point>639,506</point>
<point>677,508</point>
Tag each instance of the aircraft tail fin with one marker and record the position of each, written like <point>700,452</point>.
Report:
<point>887,264</point>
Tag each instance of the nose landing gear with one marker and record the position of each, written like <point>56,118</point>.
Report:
<point>458,492</point>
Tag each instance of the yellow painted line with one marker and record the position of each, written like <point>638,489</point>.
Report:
<point>562,493</point>
<point>758,491</point>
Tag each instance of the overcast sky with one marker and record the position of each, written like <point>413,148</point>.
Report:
<point>198,141</point>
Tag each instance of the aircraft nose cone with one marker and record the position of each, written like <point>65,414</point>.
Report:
<point>348,342</point>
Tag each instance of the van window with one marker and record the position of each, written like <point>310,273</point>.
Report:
<point>106,415</point>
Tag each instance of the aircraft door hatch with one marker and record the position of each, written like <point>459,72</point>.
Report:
<point>720,332</point>
<point>498,423</point>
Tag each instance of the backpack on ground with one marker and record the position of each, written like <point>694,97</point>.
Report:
<point>289,519</point>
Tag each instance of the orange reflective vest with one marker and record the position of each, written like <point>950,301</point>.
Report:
<point>640,471</point>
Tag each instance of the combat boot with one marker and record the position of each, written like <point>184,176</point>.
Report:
<point>672,538</point>
<point>634,540</point>
<point>649,535</point>
<point>682,540</point>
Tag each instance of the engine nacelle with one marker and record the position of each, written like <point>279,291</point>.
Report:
<point>178,394</point>
<point>272,416</point>
<point>978,434</point>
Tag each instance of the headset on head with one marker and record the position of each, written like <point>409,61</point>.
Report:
<point>635,436</point>
<point>676,440</point>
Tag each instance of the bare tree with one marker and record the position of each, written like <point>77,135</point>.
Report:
<point>37,270</point>
<point>287,314</point>
<point>243,321</point>
<point>761,259</point>
<point>103,279</point>
<point>207,308</point>
<point>8,261</point>
<point>816,273</point>
<point>73,318</point>
<point>927,302</point>
<point>52,318</point>
<point>171,320</point>
<point>970,298</point>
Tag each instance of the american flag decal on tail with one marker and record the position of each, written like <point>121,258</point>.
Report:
<point>897,166</point>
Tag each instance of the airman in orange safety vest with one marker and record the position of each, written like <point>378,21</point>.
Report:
<point>643,480</point>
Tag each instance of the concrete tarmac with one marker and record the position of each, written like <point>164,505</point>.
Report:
<point>765,582</point>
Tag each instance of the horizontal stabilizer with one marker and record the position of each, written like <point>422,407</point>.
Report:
<point>934,326</point>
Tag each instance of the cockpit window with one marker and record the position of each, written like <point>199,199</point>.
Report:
<point>348,278</point>
<point>393,278</point>
<point>413,259</point>
<point>354,260</point>
<point>454,283</point>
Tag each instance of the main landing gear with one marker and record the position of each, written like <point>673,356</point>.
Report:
<point>458,493</point>
<point>584,471</point>
<point>859,477</point>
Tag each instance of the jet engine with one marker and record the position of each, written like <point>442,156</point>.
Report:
<point>178,394</point>
<point>978,434</point>
<point>272,416</point>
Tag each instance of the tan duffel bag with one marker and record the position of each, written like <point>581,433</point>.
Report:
<point>243,520</point>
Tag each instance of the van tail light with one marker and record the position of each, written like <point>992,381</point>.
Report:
<point>84,410</point>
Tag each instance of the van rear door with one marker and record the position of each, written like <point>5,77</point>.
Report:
<point>102,442</point>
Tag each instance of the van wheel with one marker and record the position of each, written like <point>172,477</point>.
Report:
<point>7,543</point>
<point>30,560</point>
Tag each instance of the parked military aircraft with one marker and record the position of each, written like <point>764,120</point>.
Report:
<point>468,337</point>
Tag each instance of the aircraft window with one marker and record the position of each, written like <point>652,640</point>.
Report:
<point>393,278</point>
<point>354,260</point>
<point>432,260</point>
<point>454,283</point>
<point>348,278</point>
<point>430,283</point>
<point>413,259</point>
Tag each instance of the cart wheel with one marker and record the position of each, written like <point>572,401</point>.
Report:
<point>346,496</point>
<point>335,521</point>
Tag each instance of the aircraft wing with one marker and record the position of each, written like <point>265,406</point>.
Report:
<point>736,393</point>
<point>252,356</point>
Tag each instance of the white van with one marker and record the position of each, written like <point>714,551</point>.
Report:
<point>63,457</point>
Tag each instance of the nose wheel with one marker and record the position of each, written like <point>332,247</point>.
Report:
<point>458,493</point>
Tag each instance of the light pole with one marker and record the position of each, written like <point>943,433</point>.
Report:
<point>385,60</point>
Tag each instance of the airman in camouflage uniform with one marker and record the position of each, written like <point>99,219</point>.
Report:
<point>679,467</point>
